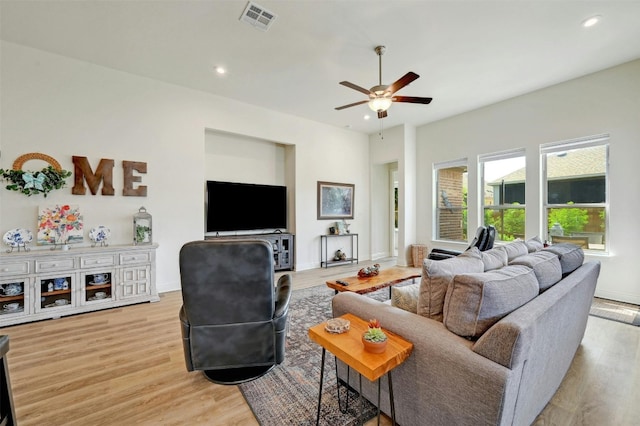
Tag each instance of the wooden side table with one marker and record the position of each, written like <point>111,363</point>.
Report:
<point>348,348</point>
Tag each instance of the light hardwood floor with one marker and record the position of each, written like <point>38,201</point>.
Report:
<point>125,366</point>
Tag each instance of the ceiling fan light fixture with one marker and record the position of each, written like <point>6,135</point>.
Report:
<point>381,103</point>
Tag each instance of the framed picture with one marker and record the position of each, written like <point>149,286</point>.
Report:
<point>335,200</point>
<point>60,224</point>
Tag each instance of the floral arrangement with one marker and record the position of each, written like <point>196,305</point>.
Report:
<point>30,183</point>
<point>59,224</point>
<point>374,332</point>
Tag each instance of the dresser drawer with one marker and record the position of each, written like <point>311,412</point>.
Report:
<point>97,261</point>
<point>14,268</point>
<point>135,258</point>
<point>60,264</point>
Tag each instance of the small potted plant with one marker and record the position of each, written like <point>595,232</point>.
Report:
<point>374,339</point>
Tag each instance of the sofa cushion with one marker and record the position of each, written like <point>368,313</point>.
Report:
<point>474,302</point>
<point>571,256</point>
<point>436,277</point>
<point>406,297</point>
<point>494,259</point>
<point>534,244</point>
<point>515,249</point>
<point>545,265</point>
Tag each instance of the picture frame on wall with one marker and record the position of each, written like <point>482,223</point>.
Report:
<point>335,200</point>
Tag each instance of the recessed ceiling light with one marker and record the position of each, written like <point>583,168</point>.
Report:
<point>590,22</point>
<point>366,117</point>
<point>220,70</point>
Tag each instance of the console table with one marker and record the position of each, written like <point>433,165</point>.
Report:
<point>42,284</point>
<point>324,255</point>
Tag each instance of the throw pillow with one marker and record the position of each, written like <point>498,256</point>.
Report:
<point>436,277</point>
<point>515,249</point>
<point>545,265</point>
<point>571,256</point>
<point>494,259</point>
<point>474,302</point>
<point>534,244</point>
<point>406,297</point>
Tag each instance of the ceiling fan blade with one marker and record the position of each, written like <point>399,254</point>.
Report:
<point>412,99</point>
<point>382,114</point>
<point>350,105</point>
<point>356,87</point>
<point>402,81</point>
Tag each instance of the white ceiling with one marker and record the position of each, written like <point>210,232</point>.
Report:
<point>468,53</point>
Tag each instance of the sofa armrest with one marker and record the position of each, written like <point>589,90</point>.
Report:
<point>283,296</point>
<point>505,343</point>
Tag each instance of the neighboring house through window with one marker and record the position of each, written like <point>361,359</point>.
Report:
<point>503,193</point>
<point>576,198</point>
<point>450,200</point>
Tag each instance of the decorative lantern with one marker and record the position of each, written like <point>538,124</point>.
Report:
<point>142,227</point>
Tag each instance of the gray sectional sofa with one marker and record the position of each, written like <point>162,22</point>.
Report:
<point>494,333</point>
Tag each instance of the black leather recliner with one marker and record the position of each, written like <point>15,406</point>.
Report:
<point>233,318</point>
<point>485,236</point>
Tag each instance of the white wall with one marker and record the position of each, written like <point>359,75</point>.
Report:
<point>380,212</point>
<point>235,158</point>
<point>398,146</point>
<point>64,107</point>
<point>604,102</point>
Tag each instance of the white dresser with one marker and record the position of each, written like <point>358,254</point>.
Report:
<point>42,283</point>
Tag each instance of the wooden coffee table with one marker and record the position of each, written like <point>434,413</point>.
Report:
<point>386,278</point>
<point>348,348</point>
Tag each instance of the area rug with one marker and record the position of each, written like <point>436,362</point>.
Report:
<point>288,394</point>
<point>616,311</point>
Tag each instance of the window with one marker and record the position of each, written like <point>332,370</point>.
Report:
<point>503,188</point>
<point>575,177</point>
<point>450,200</point>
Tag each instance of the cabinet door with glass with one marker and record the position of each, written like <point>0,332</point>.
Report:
<point>97,286</point>
<point>14,297</point>
<point>55,291</point>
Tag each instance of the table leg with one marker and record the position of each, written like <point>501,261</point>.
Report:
<point>378,401</point>
<point>393,405</point>
<point>360,421</point>
<point>324,351</point>
<point>346,391</point>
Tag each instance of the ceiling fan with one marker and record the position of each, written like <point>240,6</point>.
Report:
<point>381,96</point>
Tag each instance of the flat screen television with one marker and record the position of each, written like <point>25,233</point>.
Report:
<point>233,206</point>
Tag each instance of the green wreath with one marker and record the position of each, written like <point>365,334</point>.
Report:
<point>30,183</point>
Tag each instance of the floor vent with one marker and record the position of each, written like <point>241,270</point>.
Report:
<point>257,16</point>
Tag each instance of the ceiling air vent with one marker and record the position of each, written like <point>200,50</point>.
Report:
<point>257,16</point>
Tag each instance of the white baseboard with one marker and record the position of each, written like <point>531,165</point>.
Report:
<point>618,296</point>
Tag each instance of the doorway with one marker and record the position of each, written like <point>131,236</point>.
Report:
<point>393,197</point>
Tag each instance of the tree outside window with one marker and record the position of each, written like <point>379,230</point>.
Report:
<point>503,183</point>
<point>575,177</point>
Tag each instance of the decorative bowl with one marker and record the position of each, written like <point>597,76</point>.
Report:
<point>337,325</point>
